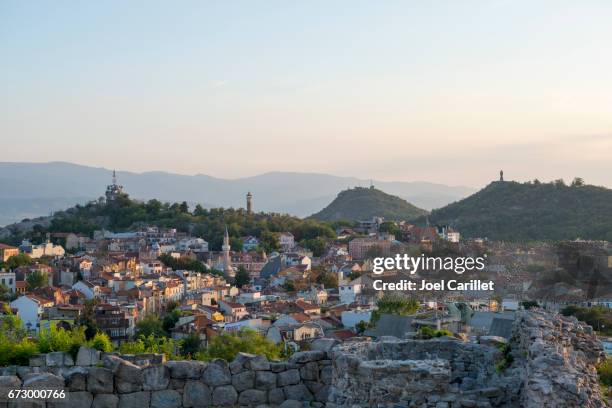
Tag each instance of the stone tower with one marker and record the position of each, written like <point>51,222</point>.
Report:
<point>501,175</point>
<point>227,260</point>
<point>249,207</point>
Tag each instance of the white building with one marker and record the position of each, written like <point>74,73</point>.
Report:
<point>29,309</point>
<point>8,279</point>
<point>348,291</point>
<point>45,249</point>
<point>286,241</point>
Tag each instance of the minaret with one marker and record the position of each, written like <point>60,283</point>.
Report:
<point>227,261</point>
<point>249,198</point>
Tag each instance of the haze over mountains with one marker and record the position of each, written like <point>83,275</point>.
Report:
<point>28,190</point>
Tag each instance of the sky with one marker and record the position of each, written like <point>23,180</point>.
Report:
<point>440,91</point>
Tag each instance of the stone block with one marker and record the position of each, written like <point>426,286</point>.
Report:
<point>186,369</point>
<point>244,380</point>
<point>265,380</point>
<point>87,356</point>
<point>166,399</point>
<point>217,373</point>
<point>307,356</point>
<point>155,378</point>
<point>140,399</point>
<point>288,377</point>
<point>196,394</point>
<point>105,401</point>
<point>224,395</point>
<point>253,397</point>
<point>100,380</point>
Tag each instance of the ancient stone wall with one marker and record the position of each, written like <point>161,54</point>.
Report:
<point>107,380</point>
<point>550,363</point>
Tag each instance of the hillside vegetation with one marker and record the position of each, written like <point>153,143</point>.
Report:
<point>364,203</point>
<point>532,211</point>
<point>127,214</point>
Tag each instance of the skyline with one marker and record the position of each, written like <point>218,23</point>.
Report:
<point>443,92</point>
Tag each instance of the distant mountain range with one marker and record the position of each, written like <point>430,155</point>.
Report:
<point>527,211</point>
<point>364,203</point>
<point>28,190</point>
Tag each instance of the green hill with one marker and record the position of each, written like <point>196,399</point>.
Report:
<point>531,211</point>
<point>364,203</point>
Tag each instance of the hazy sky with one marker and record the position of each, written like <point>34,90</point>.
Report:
<point>444,91</point>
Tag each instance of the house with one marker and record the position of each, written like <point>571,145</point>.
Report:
<point>233,311</point>
<point>294,332</point>
<point>45,249</point>
<point>6,251</point>
<point>307,308</point>
<point>249,243</point>
<point>359,248</point>
<point>286,241</point>
<point>197,323</point>
<point>8,279</point>
<point>30,308</point>
<point>87,288</point>
<point>349,291</point>
<point>112,320</point>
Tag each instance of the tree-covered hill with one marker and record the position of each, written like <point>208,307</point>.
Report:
<point>126,214</point>
<point>364,203</point>
<point>532,211</point>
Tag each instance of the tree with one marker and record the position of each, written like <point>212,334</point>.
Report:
<point>87,319</point>
<point>184,207</point>
<point>269,241</point>
<point>191,344</point>
<point>170,319</point>
<point>389,227</point>
<point>17,261</point>
<point>316,245</point>
<point>578,182</point>
<point>395,305</point>
<point>228,344</point>
<point>242,277</point>
<point>101,342</point>
<point>150,326</point>
<point>6,294</point>
<point>200,211</point>
<point>328,279</point>
<point>289,286</point>
<point>36,279</point>
<point>236,243</point>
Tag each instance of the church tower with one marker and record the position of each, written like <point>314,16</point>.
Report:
<point>249,203</point>
<point>227,260</point>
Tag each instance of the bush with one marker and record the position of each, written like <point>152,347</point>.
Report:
<point>152,344</point>
<point>55,339</point>
<point>605,372</point>
<point>427,332</point>
<point>101,342</point>
<point>228,344</point>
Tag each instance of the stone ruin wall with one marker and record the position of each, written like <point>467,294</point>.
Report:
<point>554,366</point>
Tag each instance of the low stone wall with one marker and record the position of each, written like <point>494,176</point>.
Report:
<point>554,366</point>
<point>108,380</point>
